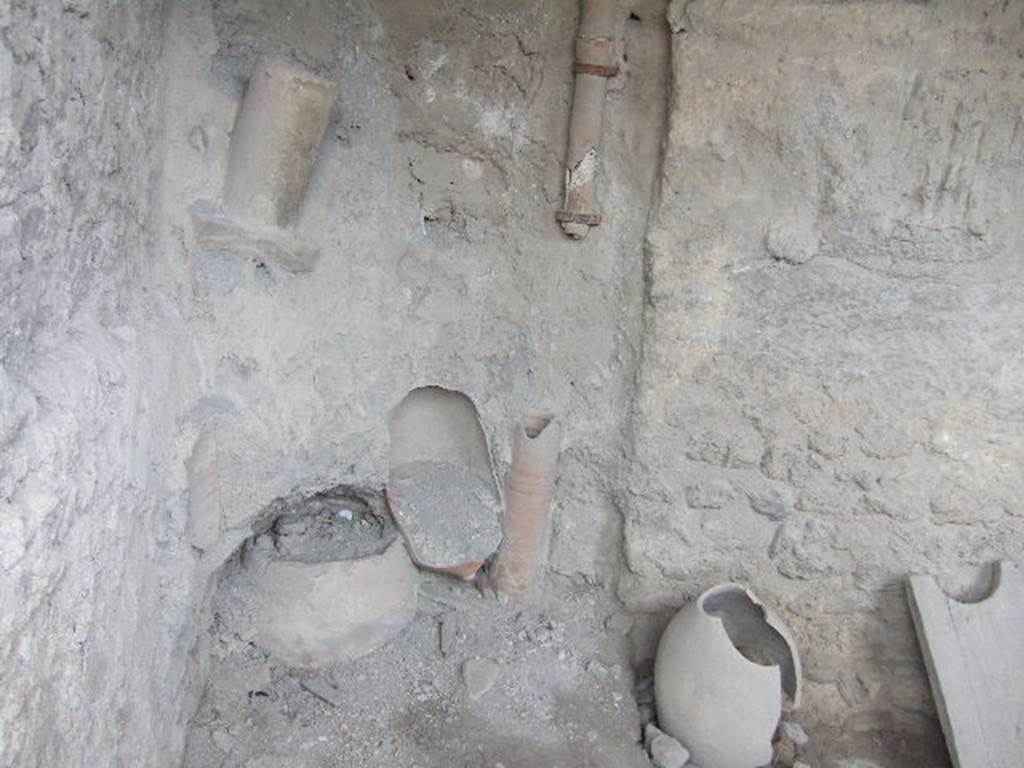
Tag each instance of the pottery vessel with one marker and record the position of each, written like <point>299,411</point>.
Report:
<point>315,614</point>
<point>724,665</point>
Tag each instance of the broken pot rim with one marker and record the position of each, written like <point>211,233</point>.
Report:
<point>773,621</point>
<point>465,570</point>
<point>534,424</point>
<point>346,562</point>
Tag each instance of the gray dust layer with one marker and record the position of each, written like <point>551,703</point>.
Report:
<point>450,512</point>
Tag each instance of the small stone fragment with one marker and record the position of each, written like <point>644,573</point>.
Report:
<point>821,671</point>
<point>770,504</point>
<point>665,751</point>
<point>650,732</point>
<point>198,140</point>
<point>791,240</point>
<point>785,750</point>
<point>323,691</point>
<point>424,690</point>
<point>713,494</point>
<point>259,679</point>
<point>480,675</point>
<point>448,633</point>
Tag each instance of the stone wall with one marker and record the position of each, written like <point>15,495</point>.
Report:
<point>830,392</point>
<point>808,382</point>
<point>92,615</point>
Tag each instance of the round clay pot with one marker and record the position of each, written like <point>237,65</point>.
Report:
<point>316,614</point>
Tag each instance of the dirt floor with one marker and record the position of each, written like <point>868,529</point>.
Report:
<point>471,682</point>
<point>563,680</point>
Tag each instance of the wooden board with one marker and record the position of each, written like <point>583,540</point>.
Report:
<point>975,658</point>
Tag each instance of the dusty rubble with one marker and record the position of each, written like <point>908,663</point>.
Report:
<point>468,682</point>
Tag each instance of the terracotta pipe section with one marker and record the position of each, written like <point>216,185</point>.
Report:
<point>273,148</point>
<point>528,490</point>
<point>274,143</point>
<point>596,61</point>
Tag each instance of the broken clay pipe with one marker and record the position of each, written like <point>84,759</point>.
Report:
<point>274,145</point>
<point>528,490</point>
<point>441,489</point>
<point>595,63</point>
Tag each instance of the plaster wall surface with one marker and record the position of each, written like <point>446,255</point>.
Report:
<point>441,263</point>
<point>94,606</point>
<point>800,369</point>
<point>136,365</point>
<point>830,391</point>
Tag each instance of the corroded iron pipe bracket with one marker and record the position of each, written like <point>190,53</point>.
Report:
<point>597,70</point>
<point>590,219</point>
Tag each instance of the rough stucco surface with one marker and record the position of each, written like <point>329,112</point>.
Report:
<point>432,204</point>
<point>93,627</point>
<point>830,393</point>
<point>132,361</point>
<point>810,383</point>
<point>441,263</point>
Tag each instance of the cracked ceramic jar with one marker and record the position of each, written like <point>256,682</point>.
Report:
<point>724,666</point>
<point>314,614</point>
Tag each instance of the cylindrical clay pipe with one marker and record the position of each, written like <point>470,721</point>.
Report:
<point>528,491</point>
<point>275,141</point>
<point>595,63</point>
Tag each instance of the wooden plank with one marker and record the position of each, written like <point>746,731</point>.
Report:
<point>974,653</point>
